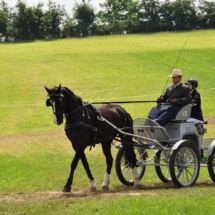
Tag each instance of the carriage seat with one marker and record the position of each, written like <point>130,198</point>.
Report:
<point>183,114</point>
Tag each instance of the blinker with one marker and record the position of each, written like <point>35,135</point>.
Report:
<point>48,103</point>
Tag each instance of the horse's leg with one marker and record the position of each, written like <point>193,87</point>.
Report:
<point>67,187</point>
<point>109,160</point>
<point>136,177</point>
<point>87,168</point>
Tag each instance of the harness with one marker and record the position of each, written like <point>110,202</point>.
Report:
<point>82,124</point>
<point>98,118</point>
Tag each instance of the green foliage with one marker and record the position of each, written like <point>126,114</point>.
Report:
<point>53,18</point>
<point>207,15</point>
<point>115,17</point>
<point>85,16</point>
<point>4,17</point>
<point>184,16</point>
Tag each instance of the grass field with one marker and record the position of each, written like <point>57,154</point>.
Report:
<point>35,154</point>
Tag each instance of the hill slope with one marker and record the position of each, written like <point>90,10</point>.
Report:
<point>125,67</point>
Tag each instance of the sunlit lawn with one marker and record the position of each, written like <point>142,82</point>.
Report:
<point>35,155</point>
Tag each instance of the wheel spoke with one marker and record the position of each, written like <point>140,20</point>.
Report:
<point>125,166</point>
<point>166,169</point>
<point>128,174</point>
<point>126,171</point>
<point>186,166</point>
<point>189,172</point>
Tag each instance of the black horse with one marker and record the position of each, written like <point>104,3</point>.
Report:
<point>83,128</point>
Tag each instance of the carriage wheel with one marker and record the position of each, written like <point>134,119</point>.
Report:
<point>184,165</point>
<point>211,165</point>
<point>123,166</point>
<point>162,171</point>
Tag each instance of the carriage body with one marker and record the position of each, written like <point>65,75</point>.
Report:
<point>177,150</point>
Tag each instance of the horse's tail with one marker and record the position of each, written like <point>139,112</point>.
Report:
<point>127,141</point>
<point>128,122</point>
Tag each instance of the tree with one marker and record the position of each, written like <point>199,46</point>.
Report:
<point>149,14</point>
<point>53,19</point>
<point>114,10</point>
<point>69,27</point>
<point>184,14</point>
<point>21,29</point>
<point>4,19</point>
<point>207,16</point>
<point>166,16</point>
<point>84,16</point>
<point>37,23</point>
<point>119,15</point>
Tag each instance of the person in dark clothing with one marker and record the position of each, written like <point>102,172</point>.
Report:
<point>175,97</point>
<point>196,111</point>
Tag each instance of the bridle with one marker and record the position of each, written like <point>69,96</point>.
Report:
<point>49,103</point>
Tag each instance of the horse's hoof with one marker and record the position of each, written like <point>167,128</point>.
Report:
<point>136,186</point>
<point>105,187</point>
<point>66,189</point>
<point>92,189</point>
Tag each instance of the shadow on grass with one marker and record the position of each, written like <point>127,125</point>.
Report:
<point>29,41</point>
<point>129,191</point>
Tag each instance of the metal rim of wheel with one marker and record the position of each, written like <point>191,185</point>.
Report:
<point>163,172</point>
<point>211,165</point>
<point>123,167</point>
<point>184,165</point>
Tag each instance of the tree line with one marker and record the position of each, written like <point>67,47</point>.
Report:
<point>115,17</point>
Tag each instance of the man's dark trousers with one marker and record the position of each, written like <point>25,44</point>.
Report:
<point>163,113</point>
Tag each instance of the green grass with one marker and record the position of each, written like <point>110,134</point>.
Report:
<point>35,167</point>
<point>145,204</point>
<point>35,154</point>
<point>100,68</point>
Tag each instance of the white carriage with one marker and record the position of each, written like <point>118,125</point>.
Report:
<point>179,149</point>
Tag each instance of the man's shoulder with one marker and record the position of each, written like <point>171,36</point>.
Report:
<point>184,85</point>
<point>170,86</point>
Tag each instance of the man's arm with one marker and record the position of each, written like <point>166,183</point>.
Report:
<point>186,99</point>
<point>163,97</point>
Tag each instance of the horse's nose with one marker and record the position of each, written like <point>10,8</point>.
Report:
<point>58,120</point>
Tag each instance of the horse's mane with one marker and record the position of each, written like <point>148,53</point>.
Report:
<point>78,97</point>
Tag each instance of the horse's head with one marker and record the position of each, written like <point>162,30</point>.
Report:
<point>57,101</point>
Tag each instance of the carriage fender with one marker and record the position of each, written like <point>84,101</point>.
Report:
<point>210,148</point>
<point>177,144</point>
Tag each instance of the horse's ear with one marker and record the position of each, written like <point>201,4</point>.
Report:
<point>59,89</point>
<point>48,90</point>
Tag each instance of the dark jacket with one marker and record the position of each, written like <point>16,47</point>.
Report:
<point>181,93</point>
<point>196,111</point>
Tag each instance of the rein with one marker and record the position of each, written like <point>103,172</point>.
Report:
<point>81,124</point>
<point>120,102</point>
<point>68,114</point>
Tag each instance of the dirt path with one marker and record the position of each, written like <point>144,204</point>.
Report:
<point>150,189</point>
<point>51,195</point>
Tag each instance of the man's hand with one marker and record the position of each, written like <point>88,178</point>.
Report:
<point>174,101</point>
<point>159,100</point>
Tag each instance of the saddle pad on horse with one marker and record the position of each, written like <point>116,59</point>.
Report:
<point>148,128</point>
